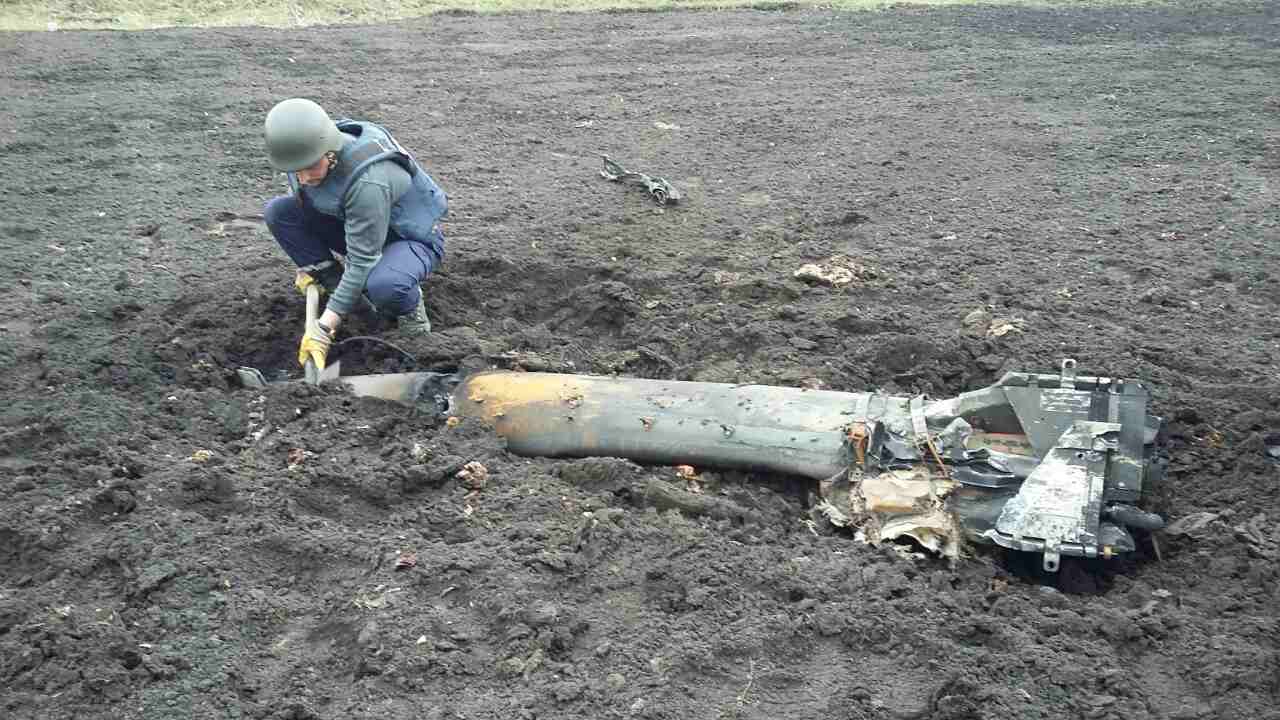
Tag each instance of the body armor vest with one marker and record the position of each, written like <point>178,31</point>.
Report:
<point>413,216</point>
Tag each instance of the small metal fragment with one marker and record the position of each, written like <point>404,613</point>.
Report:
<point>663,192</point>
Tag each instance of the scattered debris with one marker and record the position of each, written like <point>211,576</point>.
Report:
<point>1003,326</point>
<point>406,560</point>
<point>724,277</point>
<point>420,453</point>
<point>474,475</point>
<point>836,272</point>
<point>834,276</point>
<point>976,323</point>
<point>1191,525</point>
<point>296,457</point>
<point>908,504</point>
<point>201,456</point>
<point>981,323</point>
<point>834,515</point>
<point>374,598</point>
<point>665,496</point>
<point>663,192</point>
<point>1214,438</point>
<point>692,482</point>
<point>665,126</point>
<point>1257,536</point>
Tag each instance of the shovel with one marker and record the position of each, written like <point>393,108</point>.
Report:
<point>310,373</point>
<point>406,388</point>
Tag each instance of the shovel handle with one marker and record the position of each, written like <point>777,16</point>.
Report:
<point>309,371</point>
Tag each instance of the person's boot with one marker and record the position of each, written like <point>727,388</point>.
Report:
<point>415,323</point>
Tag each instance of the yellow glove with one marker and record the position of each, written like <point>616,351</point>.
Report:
<point>303,280</point>
<point>315,345</point>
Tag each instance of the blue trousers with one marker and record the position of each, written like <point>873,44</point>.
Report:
<point>309,237</point>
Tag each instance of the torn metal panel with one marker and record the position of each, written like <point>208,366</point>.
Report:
<point>659,188</point>
<point>900,504</point>
<point>1045,413</point>
<point>902,492</point>
<point>1059,507</point>
<point>1129,409</point>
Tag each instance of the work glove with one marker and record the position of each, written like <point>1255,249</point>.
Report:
<point>315,345</point>
<point>302,280</point>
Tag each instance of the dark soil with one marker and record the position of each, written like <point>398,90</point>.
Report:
<point>174,546</point>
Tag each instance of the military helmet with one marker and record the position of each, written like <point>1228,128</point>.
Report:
<point>299,132</point>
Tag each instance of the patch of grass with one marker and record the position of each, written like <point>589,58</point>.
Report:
<point>144,14</point>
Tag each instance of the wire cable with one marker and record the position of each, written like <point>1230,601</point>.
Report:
<point>380,341</point>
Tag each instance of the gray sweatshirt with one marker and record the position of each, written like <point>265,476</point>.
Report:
<point>368,217</point>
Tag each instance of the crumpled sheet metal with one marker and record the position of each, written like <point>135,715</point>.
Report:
<point>901,504</point>
<point>896,505</point>
<point>662,191</point>
<point>1040,475</point>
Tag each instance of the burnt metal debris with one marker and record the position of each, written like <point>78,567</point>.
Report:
<point>662,191</point>
<point>1045,463</point>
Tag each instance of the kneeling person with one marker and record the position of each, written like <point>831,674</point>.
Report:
<point>356,193</point>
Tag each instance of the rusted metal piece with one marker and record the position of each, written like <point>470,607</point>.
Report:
<point>858,436</point>
<point>933,452</point>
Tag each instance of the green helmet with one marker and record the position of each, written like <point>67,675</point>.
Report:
<point>299,132</point>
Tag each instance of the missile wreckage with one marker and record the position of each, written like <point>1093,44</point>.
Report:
<point>1041,463</point>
